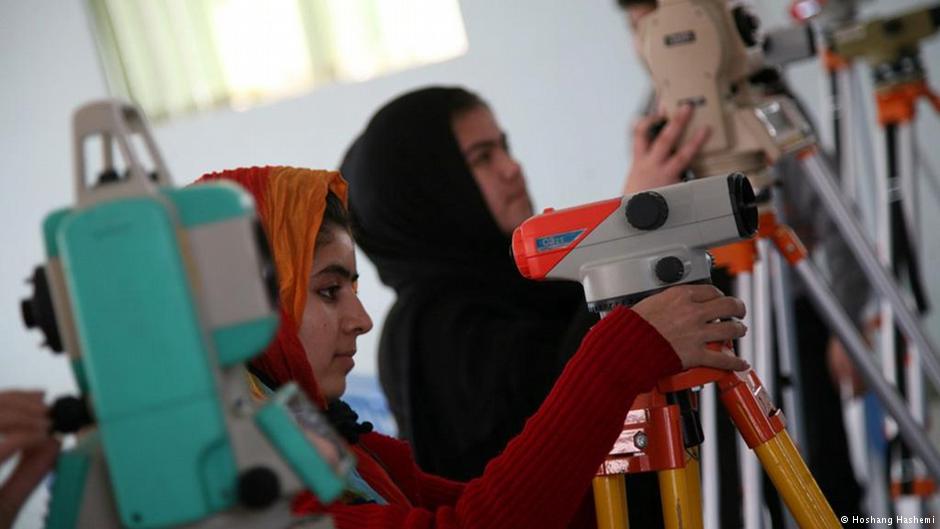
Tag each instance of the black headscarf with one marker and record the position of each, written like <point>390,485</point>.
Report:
<point>417,208</point>
<point>470,348</point>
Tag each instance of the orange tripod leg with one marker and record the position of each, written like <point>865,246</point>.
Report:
<point>762,427</point>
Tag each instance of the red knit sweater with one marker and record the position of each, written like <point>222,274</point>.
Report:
<point>541,478</point>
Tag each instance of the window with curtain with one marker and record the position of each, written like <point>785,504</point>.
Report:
<point>175,57</point>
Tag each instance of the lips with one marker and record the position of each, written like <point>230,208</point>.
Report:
<point>345,360</point>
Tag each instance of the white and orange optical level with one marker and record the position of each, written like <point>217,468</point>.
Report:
<point>826,11</point>
<point>624,249</point>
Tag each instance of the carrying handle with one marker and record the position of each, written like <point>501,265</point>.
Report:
<point>115,121</point>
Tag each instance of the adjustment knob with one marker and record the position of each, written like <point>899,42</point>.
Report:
<point>70,414</point>
<point>38,311</point>
<point>28,313</point>
<point>747,25</point>
<point>670,269</point>
<point>258,487</point>
<point>108,176</point>
<point>647,210</point>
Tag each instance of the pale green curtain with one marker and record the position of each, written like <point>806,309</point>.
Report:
<point>174,57</point>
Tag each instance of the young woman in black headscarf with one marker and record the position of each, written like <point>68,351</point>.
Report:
<point>470,348</point>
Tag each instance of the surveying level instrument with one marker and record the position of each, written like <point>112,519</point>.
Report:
<point>623,250</point>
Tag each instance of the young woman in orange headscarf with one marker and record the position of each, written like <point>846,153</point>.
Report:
<point>544,475</point>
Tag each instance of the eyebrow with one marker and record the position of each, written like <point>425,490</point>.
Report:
<point>339,270</point>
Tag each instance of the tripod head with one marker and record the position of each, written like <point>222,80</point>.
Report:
<point>625,249</point>
<point>702,52</point>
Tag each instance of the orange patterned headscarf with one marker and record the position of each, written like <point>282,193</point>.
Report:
<point>290,204</point>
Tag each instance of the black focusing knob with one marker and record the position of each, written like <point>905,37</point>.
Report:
<point>107,176</point>
<point>258,488</point>
<point>670,269</point>
<point>747,25</point>
<point>647,210</point>
<point>37,310</point>
<point>70,414</point>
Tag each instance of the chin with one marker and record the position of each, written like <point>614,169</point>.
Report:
<point>524,209</point>
<point>518,219</point>
<point>334,390</point>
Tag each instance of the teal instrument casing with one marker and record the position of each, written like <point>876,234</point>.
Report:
<point>161,295</point>
<point>148,362</point>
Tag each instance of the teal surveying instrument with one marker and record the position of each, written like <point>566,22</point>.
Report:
<point>159,295</point>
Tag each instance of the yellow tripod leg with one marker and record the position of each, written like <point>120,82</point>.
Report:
<point>610,502</point>
<point>694,482</point>
<point>680,491</point>
<point>795,484</point>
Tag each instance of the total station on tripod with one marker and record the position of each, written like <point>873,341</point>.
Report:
<point>625,249</point>
<point>159,295</point>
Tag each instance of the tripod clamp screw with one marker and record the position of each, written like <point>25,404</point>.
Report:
<point>640,440</point>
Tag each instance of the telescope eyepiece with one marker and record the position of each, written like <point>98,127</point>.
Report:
<point>743,204</point>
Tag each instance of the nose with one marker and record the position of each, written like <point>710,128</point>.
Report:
<point>509,168</point>
<point>357,320</point>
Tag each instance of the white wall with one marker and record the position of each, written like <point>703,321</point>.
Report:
<point>560,75</point>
